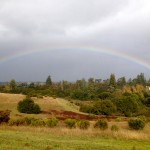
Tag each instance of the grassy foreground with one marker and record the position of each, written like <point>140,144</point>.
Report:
<point>30,138</point>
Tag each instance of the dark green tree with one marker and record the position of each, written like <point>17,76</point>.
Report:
<point>49,81</point>
<point>112,80</point>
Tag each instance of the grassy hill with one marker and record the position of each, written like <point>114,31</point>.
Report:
<point>47,104</point>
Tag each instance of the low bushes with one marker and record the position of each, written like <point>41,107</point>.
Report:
<point>101,124</point>
<point>52,122</point>
<point>4,116</point>
<point>70,123</point>
<point>83,124</point>
<point>136,123</point>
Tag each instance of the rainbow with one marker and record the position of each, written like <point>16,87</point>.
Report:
<point>107,51</point>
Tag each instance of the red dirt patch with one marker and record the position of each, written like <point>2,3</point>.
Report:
<point>62,115</point>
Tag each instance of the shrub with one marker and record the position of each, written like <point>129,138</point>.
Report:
<point>83,124</point>
<point>37,122</point>
<point>102,124</point>
<point>28,106</point>
<point>4,116</point>
<point>52,122</point>
<point>114,128</point>
<point>136,124</point>
<point>70,123</point>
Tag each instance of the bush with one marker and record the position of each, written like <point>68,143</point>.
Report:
<point>37,122</point>
<point>83,124</point>
<point>114,128</point>
<point>102,124</point>
<point>28,106</point>
<point>70,123</point>
<point>52,122</point>
<point>136,124</point>
<point>4,116</point>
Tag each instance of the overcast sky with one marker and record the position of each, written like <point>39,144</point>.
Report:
<point>55,32</point>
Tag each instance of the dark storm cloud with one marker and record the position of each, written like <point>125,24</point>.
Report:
<point>28,25</point>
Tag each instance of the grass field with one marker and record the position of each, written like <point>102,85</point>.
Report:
<point>28,138</point>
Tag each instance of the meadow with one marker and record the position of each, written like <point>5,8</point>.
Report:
<point>63,138</point>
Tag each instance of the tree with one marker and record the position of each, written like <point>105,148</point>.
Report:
<point>13,84</point>
<point>49,81</point>
<point>112,80</point>
<point>104,107</point>
<point>28,106</point>
<point>121,81</point>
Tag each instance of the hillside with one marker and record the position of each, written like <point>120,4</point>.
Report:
<point>49,106</point>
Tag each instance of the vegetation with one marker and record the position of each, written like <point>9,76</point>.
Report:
<point>70,123</point>
<point>4,116</point>
<point>28,106</point>
<point>83,124</point>
<point>136,124</point>
<point>101,124</point>
<point>52,122</point>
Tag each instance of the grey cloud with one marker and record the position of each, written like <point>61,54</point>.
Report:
<point>31,25</point>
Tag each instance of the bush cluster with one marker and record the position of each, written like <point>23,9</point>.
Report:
<point>101,124</point>
<point>4,116</point>
<point>28,106</point>
<point>83,124</point>
<point>136,123</point>
<point>70,123</point>
<point>52,122</point>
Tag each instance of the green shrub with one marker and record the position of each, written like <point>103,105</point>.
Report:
<point>37,122</point>
<point>114,128</point>
<point>52,122</point>
<point>102,124</point>
<point>28,106</point>
<point>4,116</point>
<point>83,124</point>
<point>136,124</point>
<point>70,123</point>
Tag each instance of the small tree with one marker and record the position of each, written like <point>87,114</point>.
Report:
<point>48,81</point>
<point>28,106</point>
<point>12,84</point>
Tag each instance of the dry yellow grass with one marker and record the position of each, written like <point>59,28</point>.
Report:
<point>89,133</point>
<point>10,101</point>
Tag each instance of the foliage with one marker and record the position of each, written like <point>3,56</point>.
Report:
<point>28,106</point>
<point>128,105</point>
<point>70,123</point>
<point>101,124</point>
<point>52,122</point>
<point>114,128</point>
<point>136,123</point>
<point>83,124</point>
<point>4,116</point>
<point>104,107</point>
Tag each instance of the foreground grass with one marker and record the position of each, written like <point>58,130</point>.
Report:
<point>30,138</point>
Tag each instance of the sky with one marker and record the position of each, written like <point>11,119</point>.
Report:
<point>74,39</point>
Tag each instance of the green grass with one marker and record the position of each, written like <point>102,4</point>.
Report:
<point>36,140</point>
